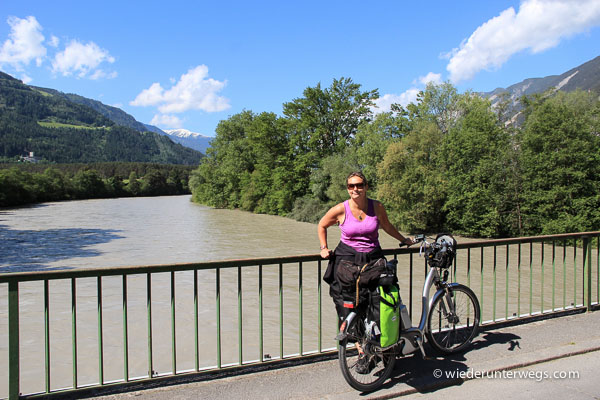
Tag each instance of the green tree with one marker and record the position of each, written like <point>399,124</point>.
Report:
<point>560,163</point>
<point>411,184</point>
<point>325,120</point>
<point>372,140</point>
<point>476,164</point>
<point>133,184</point>
<point>87,184</point>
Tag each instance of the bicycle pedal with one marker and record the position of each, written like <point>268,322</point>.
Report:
<point>341,336</point>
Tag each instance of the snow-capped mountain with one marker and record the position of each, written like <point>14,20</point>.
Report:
<point>189,139</point>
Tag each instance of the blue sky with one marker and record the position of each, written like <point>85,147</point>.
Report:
<point>190,64</point>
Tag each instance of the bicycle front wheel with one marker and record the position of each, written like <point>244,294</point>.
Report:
<point>453,320</point>
<point>364,367</point>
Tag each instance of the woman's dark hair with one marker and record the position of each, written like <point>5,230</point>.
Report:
<point>360,175</point>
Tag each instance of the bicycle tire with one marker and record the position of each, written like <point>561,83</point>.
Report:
<point>381,364</point>
<point>452,332</point>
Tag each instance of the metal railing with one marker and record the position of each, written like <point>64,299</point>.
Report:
<point>141,309</point>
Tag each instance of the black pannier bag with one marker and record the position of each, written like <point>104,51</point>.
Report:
<point>355,280</point>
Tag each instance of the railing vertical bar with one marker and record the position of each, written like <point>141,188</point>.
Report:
<point>481,283</point>
<point>301,339</point>
<point>47,334</point>
<point>454,277</point>
<point>494,290</point>
<point>125,333</point>
<point>553,274</point>
<point>468,276</point>
<point>530,278</point>
<point>74,329</point>
<point>506,291</point>
<point>542,294</point>
<point>240,326</point>
<point>173,333</point>
<point>149,317</point>
<point>574,273</point>
<point>587,273</point>
<point>260,314</point>
<point>469,267</point>
<point>196,333</point>
<point>564,274</point>
<point>410,286</point>
<point>100,335</point>
<point>320,346</point>
<point>218,308</point>
<point>14,378</point>
<point>281,311</point>
<point>519,282</point>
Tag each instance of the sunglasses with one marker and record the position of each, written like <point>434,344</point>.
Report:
<point>352,186</point>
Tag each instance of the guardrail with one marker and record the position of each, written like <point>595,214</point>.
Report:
<point>515,279</point>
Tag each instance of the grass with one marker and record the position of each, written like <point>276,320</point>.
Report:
<point>61,125</point>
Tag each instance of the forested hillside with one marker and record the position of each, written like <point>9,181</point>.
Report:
<point>449,161</point>
<point>59,130</point>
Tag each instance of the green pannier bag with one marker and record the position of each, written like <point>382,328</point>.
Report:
<point>384,315</point>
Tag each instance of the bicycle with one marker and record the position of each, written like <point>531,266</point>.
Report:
<point>449,321</point>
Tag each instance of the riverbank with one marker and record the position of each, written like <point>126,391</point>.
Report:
<point>22,184</point>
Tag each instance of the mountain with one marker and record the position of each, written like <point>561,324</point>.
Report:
<point>585,77</point>
<point>186,138</point>
<point>68,128</point>
<point>115,114</point>
<point>190,139</point>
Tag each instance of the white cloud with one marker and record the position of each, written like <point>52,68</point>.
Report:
<point>167,121</point>
<point>54,41</point>
<point>24,44</point>
<point>82,59</point>
<point>431,78</point>
<point>26,79</point>
<point>99,74</point>
<point>384,103</point>
<point>193,91</point>
<point>537,26</point>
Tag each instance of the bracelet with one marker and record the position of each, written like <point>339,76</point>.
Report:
<point>323,247</point>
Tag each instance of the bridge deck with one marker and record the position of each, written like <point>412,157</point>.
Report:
<point>528,347</point>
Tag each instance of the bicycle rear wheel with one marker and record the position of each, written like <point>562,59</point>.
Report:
<point>368,369</point>
<point>453,320</point>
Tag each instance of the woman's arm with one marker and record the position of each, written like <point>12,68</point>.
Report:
<point>331,217</point>
<point>387,226</point>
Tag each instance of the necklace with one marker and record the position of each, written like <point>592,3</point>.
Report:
<point>360,215</point>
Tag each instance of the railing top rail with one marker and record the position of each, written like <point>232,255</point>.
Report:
<point>143,269</point>
<point>527,239</point>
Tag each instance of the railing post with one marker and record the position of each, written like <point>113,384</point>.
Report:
<point>587,273</point>
<point>13,340</point>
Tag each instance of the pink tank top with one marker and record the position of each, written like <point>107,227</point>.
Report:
<point>362,236</point>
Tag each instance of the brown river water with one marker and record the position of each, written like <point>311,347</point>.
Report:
<point>169,230</point>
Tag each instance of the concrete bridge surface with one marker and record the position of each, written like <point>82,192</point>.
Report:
<point>555,358</point>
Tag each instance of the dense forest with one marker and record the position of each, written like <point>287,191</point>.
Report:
<point>449,161</point>
<point>59,130</point>
<point>31,183</point>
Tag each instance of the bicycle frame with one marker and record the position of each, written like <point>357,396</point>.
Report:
<point>412,337</point>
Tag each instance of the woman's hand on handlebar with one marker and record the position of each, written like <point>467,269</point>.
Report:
<point>408,242</point>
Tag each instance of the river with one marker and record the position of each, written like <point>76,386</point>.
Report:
<point>141,231</point>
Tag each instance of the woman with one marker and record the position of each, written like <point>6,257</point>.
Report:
<point>359,219</point>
